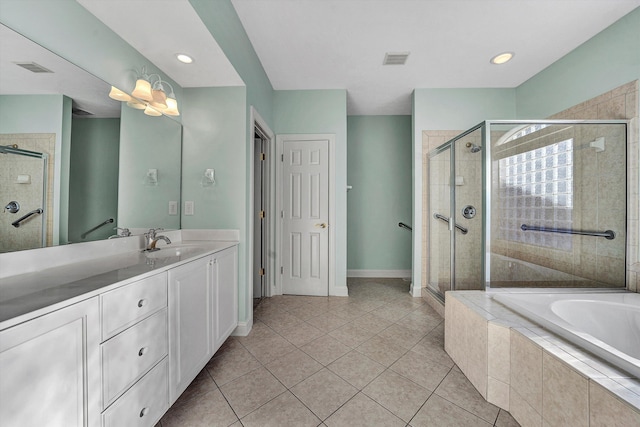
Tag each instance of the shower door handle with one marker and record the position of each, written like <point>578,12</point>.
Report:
<point>462,229</point>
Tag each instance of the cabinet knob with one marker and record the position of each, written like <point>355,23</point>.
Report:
<point>142,351</point>
<point>141,303</point>
<point>144,412</point>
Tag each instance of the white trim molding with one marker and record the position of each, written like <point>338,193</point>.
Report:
<point>403,274</point>
<point>243,328</point>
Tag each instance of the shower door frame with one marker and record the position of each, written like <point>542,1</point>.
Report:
<point>450,145</point>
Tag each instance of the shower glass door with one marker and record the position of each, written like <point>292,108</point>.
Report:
<point>439,250</point>
<point>558,204</point>
<point>468,211</point>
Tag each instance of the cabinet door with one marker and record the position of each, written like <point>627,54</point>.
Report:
<point>226,294</point>
<point>190,323</point>
<point>50,369</point>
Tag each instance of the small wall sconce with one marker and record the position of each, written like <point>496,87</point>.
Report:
<point>152,177</point>
<point>149,95</point>
<point>209,178</point>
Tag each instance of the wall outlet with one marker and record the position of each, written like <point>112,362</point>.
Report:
<point>188,208</point>
<point>173,207</point>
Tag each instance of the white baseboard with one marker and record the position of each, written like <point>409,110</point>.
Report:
<point>380,273</point>
<point>341,291</point>
<point>243,329</point>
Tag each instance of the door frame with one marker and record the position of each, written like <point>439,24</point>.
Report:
<point>255,120</point>
<point>280,140</point>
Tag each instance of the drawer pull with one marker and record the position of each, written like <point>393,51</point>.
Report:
<point>144,412</point>
<point>142,351</point>
<point>141,303</point>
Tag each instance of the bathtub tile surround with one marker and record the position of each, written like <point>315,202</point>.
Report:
<point>549,382</point>
<point>420,387</point>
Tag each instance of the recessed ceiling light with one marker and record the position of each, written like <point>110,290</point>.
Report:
<point>184,58</point>
<point>502,58</point>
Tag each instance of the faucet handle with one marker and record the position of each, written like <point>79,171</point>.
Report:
<point>124,231</point>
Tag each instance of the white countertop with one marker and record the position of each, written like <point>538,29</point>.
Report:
<point>65,281</point>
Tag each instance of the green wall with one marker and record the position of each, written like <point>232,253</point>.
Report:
<point>214,136</point>
<point>45,114</point>
<point>93,177</point>
<point>148,142</point>
<point>609,59</point>
<point>315,112</point>
<point>223,23</point>
<point>379,169</point>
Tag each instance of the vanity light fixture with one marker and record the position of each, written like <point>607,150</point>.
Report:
<point>502,58</point>
<point>184,58</point>
<point>149,95</point>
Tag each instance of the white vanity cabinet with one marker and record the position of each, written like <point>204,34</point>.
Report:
<point>203,311</point>
<point>134,353</point>
<point>51,369</point>
<point>225,274</point>
<point>190,321</point>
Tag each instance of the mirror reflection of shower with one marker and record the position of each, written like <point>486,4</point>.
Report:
<point>473,147</point>
<point>23,193</point>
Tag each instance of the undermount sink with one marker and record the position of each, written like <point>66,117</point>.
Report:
<point>173,251</point>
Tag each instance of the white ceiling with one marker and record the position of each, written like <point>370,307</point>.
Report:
<point>340,44</point>
<point>177,28</point>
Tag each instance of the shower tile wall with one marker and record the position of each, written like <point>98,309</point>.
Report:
<point>620,103</point>
<point>594,200</point>
<point>29,235</point>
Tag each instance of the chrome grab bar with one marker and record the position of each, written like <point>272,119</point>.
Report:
<point>109,221</point>
<point>607,234</point>
<point>445,219</point>
<point>18,221</point>
<point>405,226</point>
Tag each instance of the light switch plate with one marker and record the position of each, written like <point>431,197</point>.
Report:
<point>173,207</point>
<point>188,208</point>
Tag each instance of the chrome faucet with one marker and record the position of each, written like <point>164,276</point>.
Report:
<point>152,239</point>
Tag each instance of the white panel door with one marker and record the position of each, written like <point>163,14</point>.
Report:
<point>305,237</point>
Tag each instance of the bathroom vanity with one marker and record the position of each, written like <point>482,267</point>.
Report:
<point>112,340</point>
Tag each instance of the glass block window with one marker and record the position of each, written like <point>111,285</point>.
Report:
<point>536,188</point>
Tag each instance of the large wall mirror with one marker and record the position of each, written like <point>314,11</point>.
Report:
<point>75,164</point>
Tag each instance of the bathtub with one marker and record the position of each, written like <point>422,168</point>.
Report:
<point>605,324</point>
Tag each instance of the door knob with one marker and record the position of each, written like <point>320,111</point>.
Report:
<point>323,225</point>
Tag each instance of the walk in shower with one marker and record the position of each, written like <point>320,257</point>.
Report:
<point>528,204</point>
<point>23,194</point>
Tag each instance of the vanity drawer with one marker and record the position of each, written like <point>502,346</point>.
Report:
<point>127,356</point>
<point>127,305</point>
<point>144,404</point>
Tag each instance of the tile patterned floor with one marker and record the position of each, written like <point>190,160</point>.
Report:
<point>375,358</point>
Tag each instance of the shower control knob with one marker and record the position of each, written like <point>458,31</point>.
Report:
<point>469,212</point>
<point>13,207</point>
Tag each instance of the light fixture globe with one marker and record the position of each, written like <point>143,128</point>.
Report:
<point>119,95</point>
<point>134,103</point>
<point>159,99</point>
<point>150,111</point>
<point>142,90</point>
<point>172,107</point>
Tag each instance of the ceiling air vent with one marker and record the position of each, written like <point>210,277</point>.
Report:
<point>33,67</point>
<point>78,112</point>
<point>397,58</point>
